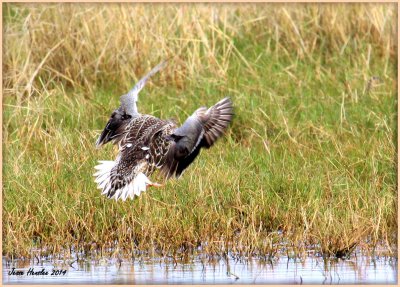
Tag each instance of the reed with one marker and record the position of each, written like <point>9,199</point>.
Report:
<point>309,161</point>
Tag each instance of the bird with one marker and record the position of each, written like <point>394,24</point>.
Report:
<point>147,143</point>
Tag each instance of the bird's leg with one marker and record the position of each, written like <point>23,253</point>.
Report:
<point>155,184</point>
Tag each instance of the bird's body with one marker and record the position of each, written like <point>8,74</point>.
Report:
<point>147,143</point>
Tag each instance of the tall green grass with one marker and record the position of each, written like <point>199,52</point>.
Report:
<point>310,158</point>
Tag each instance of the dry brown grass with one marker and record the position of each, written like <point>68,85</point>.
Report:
<point>87,45</point>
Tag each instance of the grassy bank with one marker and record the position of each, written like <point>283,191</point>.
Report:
<point>310,158</point>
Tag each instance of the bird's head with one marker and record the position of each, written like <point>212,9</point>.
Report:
<point>119,119</point>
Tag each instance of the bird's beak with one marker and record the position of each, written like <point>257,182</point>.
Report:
<point>103,138</point>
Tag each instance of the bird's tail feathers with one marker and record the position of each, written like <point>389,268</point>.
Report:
<point>104,182</point>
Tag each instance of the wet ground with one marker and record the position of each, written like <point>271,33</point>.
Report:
<point>312,270</point>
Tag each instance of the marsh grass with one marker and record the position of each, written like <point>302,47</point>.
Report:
<point>310,159</point>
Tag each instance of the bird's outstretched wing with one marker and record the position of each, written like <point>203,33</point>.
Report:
<point>128,101</point>
<point>202,129</point>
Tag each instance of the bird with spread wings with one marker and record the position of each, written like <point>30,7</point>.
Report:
<point>147,143</point>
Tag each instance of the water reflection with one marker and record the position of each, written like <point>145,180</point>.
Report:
<point>202,270</point>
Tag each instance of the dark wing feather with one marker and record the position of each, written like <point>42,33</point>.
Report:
<point>217,119</point>
<point>185,162</point>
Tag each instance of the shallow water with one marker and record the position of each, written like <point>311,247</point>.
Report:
<point>313,270</point>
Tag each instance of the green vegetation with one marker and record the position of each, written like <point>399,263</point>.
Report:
<point>310,159</point>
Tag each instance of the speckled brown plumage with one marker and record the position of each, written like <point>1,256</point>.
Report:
<point>147,143</point>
